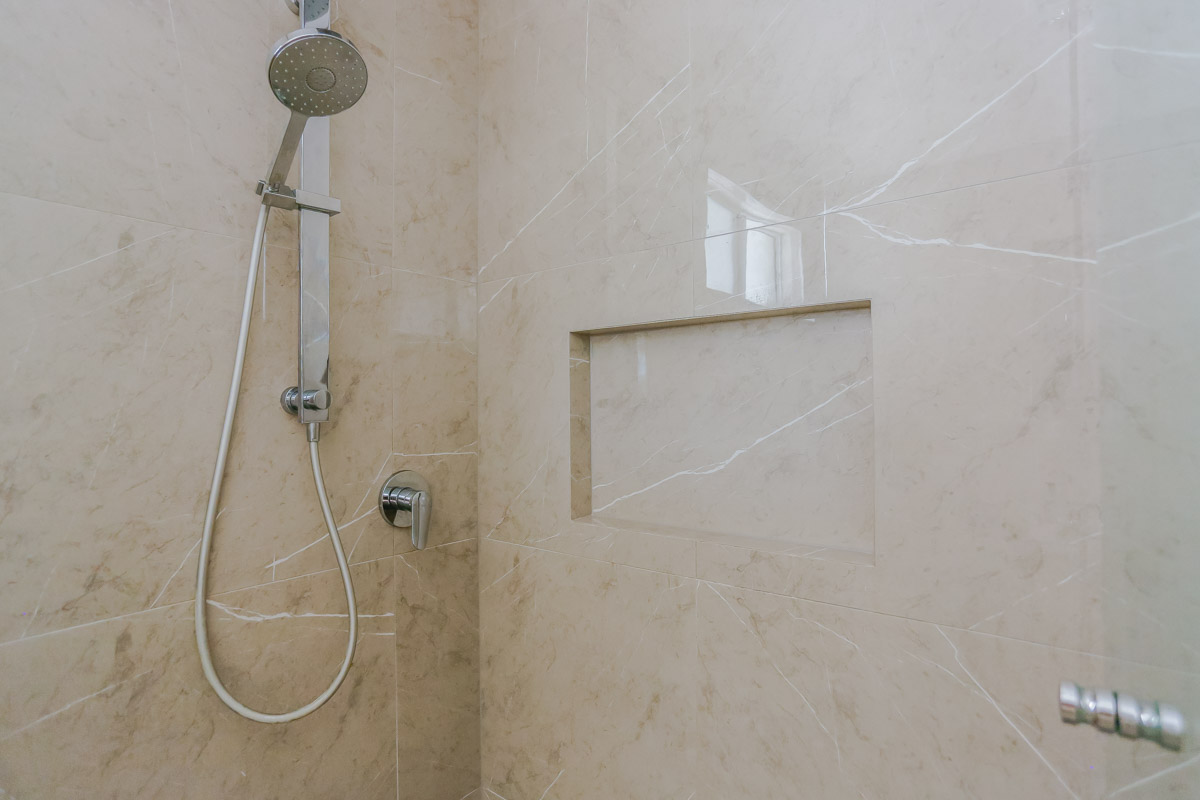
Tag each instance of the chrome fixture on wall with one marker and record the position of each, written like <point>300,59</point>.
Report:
<point>315,73</point>
<point>1115,712</point>
<point>406,501</point>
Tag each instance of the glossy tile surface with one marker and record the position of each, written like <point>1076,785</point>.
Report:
<point>781,446</point>
<point>129,159</point>
<point>1010,188</point>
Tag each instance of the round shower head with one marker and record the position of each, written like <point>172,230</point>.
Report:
<point>316,72</point>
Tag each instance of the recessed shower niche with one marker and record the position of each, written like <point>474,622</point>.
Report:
<point>755,426</point>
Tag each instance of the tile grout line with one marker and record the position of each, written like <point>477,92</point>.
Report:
<point>947,626</point>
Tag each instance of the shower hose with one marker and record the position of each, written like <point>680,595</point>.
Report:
<point>210,519</point>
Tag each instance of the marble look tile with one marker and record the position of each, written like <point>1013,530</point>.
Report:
<point>109,349</point>
<point>136,330</point>
<point>1146,335</point>
<point>809,106</point>
<point>439,39</point>
<point>588,677</point>
<point>436,123</point>
<point>985,394</point>
<point>1139,75</point>
<point>360,168</point>
<point>191,124</point>
<point>432,359</point>
<point>437,627</point>
<point>525,472</point>
<point>759,694</point>
<point>109,698</point>
<point>584,131</point>
<point>782,443</point>
<point>985,368</point>
<point>804,694</point>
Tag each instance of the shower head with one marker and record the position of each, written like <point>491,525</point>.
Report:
<point>315,73</point>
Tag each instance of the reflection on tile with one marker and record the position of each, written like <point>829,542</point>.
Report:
<point>807,106</point>
<point>984,404</point>
<point>1139,73</point>
<point>585,129</point>
<point>760,426</point>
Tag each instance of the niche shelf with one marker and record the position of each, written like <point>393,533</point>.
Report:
<point>755,428</point>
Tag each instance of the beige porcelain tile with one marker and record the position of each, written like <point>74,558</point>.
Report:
<point>588,677</point>
<point>435,147</point>
<point>60,151</point>
<point>437,644</point>
<point>183,133</point>
<point>1146,329</point>
<point>525,472</point>
<point>191,124</point>
<point>96,414</point>
<point>803,694</point>
<point>432,360</point>
<point>806,106</point>
<point>1139,72</point>
<point>985,401</point>
<point>44,241</point>
<point>439,39</point>
<point>109,699</point>
<point>585,119</point>
<point>360,169</point>
<point>145,334</point>
<point>985,395</point>
<point>777,437</point>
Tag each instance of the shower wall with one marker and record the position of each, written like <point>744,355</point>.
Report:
<point>976,171</point>
<point>132,138</point>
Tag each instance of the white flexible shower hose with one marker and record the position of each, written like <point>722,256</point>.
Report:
<point>210,519</point>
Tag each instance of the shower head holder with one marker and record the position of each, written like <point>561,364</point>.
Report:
<point>289,199</point>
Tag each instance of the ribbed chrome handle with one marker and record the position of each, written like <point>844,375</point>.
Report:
<point>1114,712</point>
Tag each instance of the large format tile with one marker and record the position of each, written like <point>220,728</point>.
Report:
<point>809,106</point>
<point>585,120</point>
<point>437,645</point>
<point>145,333</point>
<point>804,694</point>
<point>524,389</point>
<point>123,701</point>
<point>588,675</point>
<point>985,386</point>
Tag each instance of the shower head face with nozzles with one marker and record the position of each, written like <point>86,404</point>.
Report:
<point>316,73</point>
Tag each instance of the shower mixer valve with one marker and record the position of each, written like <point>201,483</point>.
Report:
<point>405,501</point>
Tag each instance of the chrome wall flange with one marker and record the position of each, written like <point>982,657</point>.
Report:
<point>406,501</point>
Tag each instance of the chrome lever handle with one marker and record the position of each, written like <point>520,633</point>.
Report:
<point>1113,712</point>
<point>406,501</point>
<point>420,507</point>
